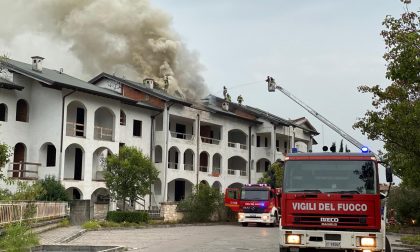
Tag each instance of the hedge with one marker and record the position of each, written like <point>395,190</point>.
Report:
<point>123,216</point>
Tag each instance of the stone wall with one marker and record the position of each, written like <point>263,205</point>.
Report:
<point>100,211</point>
<point>169,213</point>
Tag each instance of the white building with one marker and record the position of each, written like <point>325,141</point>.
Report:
<point>62,126</point>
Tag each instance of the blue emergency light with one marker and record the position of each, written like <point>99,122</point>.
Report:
<point>365,149</point>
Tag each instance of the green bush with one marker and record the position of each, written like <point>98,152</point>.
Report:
<point>412,239</point>
<point>91,225</point>
<point>52,190</point>
<point>201,204</point>
<point>18,237</point>
<point>64,223</point>
<point>405,201</point>
<point>124,216</point>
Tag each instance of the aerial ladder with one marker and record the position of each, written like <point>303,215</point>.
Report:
<point>272,86</point>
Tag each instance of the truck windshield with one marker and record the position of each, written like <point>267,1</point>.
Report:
<point>247,194</point>
<point>358,177</point>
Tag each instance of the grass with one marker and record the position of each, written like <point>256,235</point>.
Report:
<point>411,239</point>
<point>18,237</point>
<point>64,223</point>
<point>91,225</point>
<point>96,224</point>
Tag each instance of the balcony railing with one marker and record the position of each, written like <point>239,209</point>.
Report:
<point>99,176</point>
<point>210,140</point>
<point>102,133</point>
<point>203,168</point>
<point>23,170</point>
<point>243,173</point>
<point>233,145</point>
<point>184,136</point>
<point>231,172</point>
<point>75,129</point>
<point>230,144</point>
<point>216,172</point>
<point>172,165</point>
<point>189,167</point>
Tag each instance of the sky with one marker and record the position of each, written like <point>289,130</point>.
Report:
<point>320,51</point>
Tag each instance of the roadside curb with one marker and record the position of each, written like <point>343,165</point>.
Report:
<point>167,226</point>
<point>72,237</point>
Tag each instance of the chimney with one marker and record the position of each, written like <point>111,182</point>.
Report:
<point>37,63</point>
<point>149,82</point>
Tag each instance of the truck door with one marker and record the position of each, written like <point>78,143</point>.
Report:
<point>232,199</point>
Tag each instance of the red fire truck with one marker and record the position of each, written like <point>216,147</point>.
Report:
<point>255,203</point>
<point>332,201</point>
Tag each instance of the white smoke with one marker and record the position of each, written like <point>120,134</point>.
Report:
<point>127,37</point>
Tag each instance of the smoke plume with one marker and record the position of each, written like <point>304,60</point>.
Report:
<point>127,37</point>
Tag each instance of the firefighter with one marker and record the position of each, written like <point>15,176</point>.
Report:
<point>228,99</point>
<point>240,99</point>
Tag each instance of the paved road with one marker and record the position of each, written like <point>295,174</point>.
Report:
<point>187,238</point>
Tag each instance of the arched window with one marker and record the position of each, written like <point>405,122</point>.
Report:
<point>22,111</point>
<point>3,112</point>
<point>122,118</point>
<point>51,152</point>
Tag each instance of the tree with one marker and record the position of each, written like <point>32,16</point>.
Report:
<point>341,146</point>
<point>129,174</point>
<point>395,117</point>
<point>273,176</point>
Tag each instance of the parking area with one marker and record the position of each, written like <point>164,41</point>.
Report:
<point>187,238</point>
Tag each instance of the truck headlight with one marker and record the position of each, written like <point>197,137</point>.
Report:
<point>241,216</point>
<point>293,239</point>
<point>264,217</point>
<point>367,241</point>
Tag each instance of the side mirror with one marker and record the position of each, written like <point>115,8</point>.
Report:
<point>388,174</point>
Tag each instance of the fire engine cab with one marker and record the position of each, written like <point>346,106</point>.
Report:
<point>332,201</point>
<point>255,203</point>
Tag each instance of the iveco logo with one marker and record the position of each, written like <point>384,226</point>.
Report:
<point>329,219</point>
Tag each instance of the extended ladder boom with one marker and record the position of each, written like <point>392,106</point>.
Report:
<point>272,87</point>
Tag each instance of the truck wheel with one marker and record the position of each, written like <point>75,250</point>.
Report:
<point>387,245</point>
<point>244,224</point>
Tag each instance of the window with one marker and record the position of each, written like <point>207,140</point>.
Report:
<point>258,141</point>
<point>122,118</point>
<point>330,176</point>
<point>266,142</point>
<point>137,128</point>
<point>3,112</point>
<point>22,111</point>
<point>50,155</point>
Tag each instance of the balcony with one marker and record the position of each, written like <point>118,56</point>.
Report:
<point>172,165</point>
<point>23,170</point>
<point>210,140</point>
<point>180,135</point>
<point>237,172</point>
<point>99,176</point>
<point>236,145</point>
<point>188,167</point>
<point>75,129</point>
<point>215,172</point>
<point>102,133</point>
<point>203,168</point>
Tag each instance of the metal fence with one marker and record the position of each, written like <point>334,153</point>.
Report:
<point>18,211</point>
